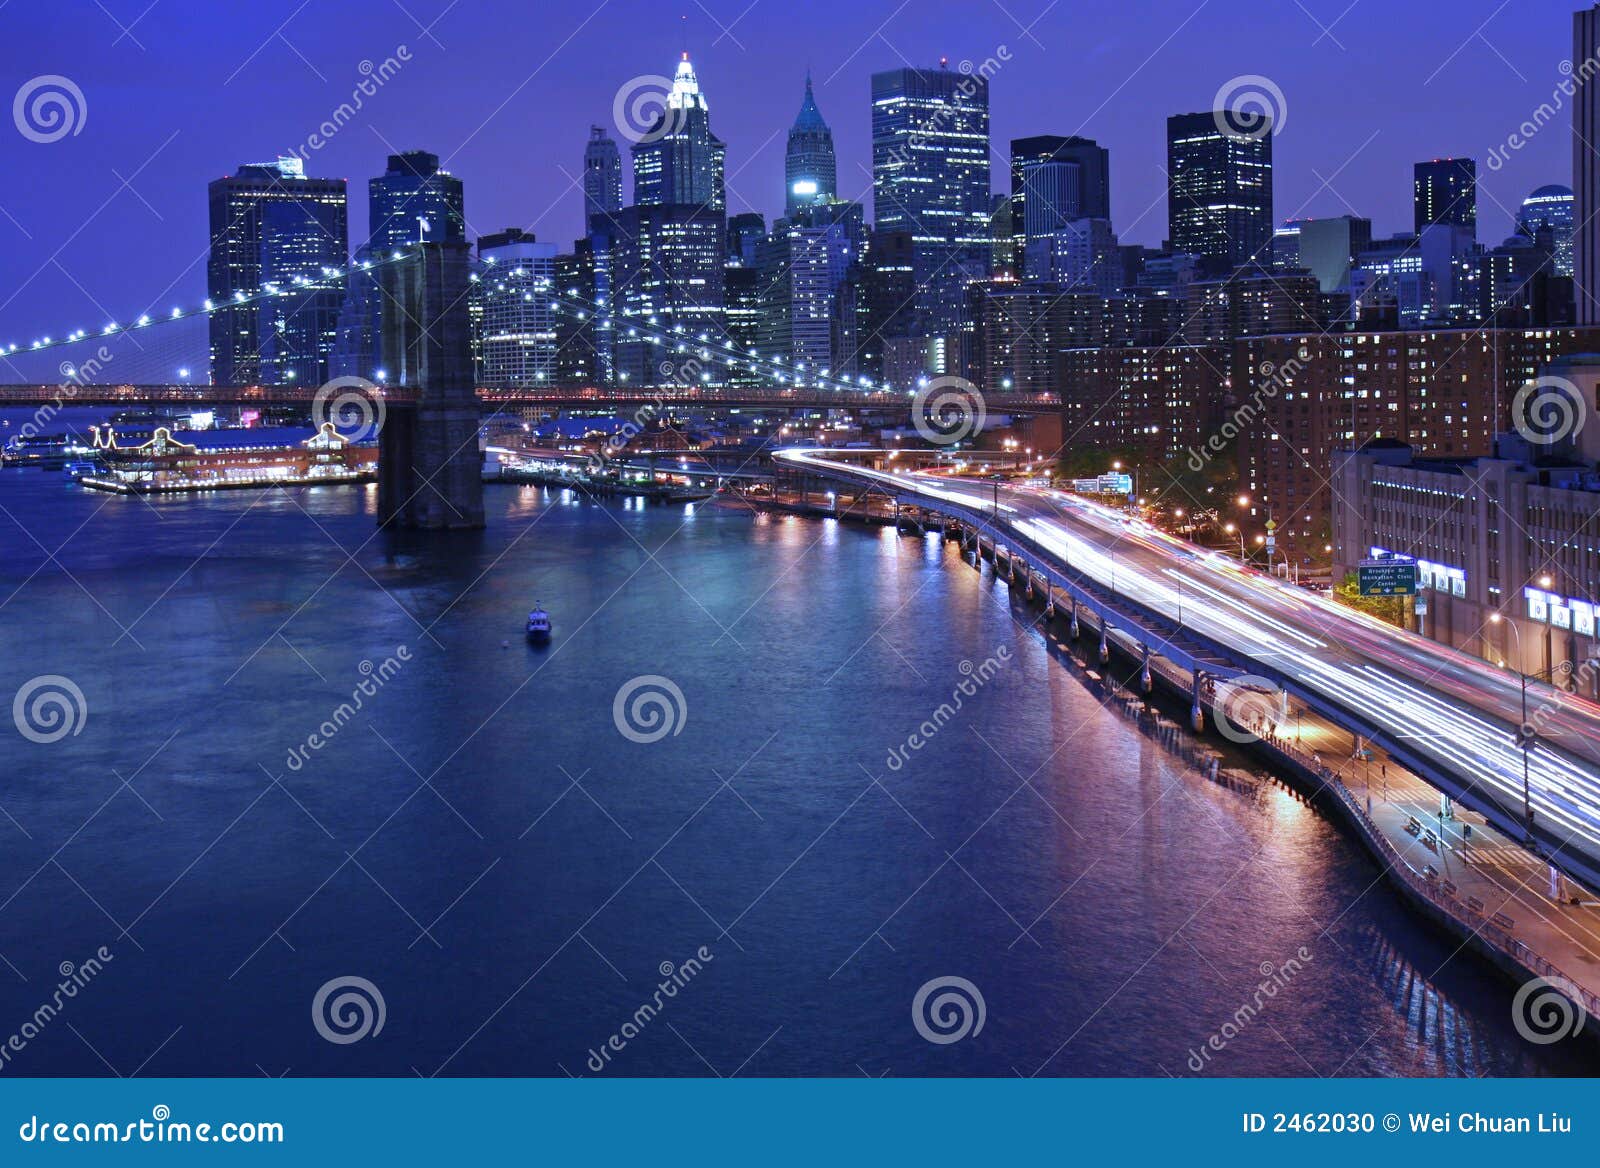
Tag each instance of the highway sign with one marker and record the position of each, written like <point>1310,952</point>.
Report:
<point>1387,578</point>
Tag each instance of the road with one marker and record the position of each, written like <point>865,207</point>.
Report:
<point>1460,711</point>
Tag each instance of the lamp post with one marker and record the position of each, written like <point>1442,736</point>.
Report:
<point>1522,729</point>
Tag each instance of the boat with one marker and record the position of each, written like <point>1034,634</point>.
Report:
<point>539,626</point>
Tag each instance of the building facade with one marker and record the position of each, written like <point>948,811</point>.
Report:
<point>1219,188</point>
<point>1445,191</point>
<point>273,226</point>
<point>602,175</point>
<point>518,342</point>
<point>930,178</point>
<point>810,171</point>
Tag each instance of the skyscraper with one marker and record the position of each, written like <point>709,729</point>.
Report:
<point>518,345</point>
<point>602,176</point>
<point>1219,188</point>
<point>1445,190</point>
<point>412,191</point>
<point>809,169</point>
<point>670,248</point>
<point>1088,163</point>
<point>1550,209</point>
<point>679,161</point>
<point>271,225</point>
<point>930,177</point>
<point>1586,168</point>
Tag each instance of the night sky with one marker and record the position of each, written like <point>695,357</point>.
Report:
<point>506,90</point>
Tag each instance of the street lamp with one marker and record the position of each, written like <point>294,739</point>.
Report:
<point>1522,730</point>
<point>1233,529</point>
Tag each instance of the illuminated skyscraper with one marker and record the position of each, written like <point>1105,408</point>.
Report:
<point>1219,188</point>
<point>930,177</point>
<point>679,161</point>
<point>1550,209</point>
<point>271,225</point>
<point>809,170</point>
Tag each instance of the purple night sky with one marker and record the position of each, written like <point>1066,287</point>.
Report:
<point>506,91</point>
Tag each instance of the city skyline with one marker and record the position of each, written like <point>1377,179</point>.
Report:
<point>754,116</point>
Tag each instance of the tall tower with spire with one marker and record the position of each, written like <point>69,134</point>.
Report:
<point>809,170</point>
<point>679,160</point>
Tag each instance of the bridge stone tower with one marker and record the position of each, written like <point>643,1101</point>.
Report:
<point>429,465</point>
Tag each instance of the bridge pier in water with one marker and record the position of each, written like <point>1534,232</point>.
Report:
<point>430,470</point>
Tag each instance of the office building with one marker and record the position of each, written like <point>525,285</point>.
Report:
<point>518,279</point>
<point>1550,208</point>
<point>1445,191</point>
<point>809,169</point>
<point>602,176</point>
<point>272,226</point>
<point>1219,188</point>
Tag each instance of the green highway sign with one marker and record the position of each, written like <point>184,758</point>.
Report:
<point>1387,578</point>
